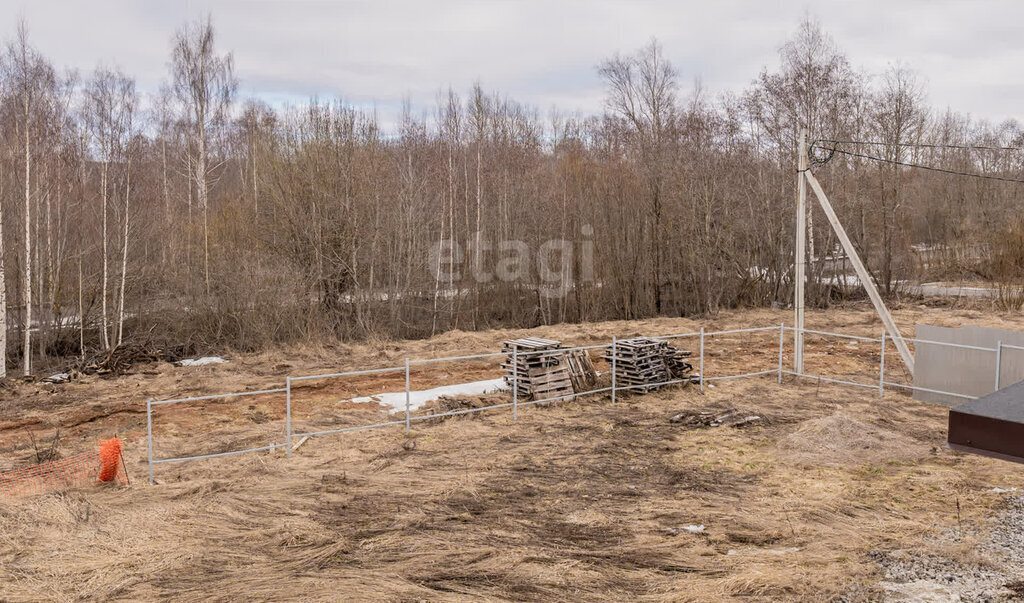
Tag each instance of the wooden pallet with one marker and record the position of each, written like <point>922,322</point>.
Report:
<point>645,364</point>
<point>581,370</point>
<point>551,382</point>
<point>529,361</point>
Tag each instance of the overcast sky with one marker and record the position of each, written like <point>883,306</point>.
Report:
<point>540,53</point>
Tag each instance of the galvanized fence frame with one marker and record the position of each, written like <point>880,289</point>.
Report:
<point>150,403</point>
<point>515,404</point>
<point>882,383</point>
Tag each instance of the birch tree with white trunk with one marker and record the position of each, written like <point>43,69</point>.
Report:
<point>30,78</point>
<point>129,100</point>
<point>4,99</point>
<point>109,106</point>
<point>205,83</point>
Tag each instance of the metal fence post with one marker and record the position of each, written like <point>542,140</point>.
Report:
<point>614,353</point>
<point>407,427</point>
<point>702,360</point>
<point>149,436</point>
<point>881,369</point>
<point>999,361</point>
<point>288,417</point>
<point>515,383</point>
<point>782,331</point>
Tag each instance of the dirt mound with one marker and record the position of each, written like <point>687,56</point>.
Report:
<point>839,440</point>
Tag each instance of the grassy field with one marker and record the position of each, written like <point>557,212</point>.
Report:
<point>581,499</point>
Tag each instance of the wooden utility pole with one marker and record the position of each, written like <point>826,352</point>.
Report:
<point>801,255</point>
<point>862,273</point>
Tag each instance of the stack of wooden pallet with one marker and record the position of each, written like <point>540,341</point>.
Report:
<point>645,364</point>
<point>538,366</point>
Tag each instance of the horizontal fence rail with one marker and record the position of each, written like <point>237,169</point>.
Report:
<point>832,380</point>
<point>216,455</point>
<point>699,379</point>
<point>930,391</point>
<point>393,369</point>
<point>279,390</point>
<point>839,335</point>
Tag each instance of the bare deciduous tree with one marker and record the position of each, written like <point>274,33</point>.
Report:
<point>205,83</point>
<point>31,78</point>
<point>642,92</point>
<point>899,121</point>
<point>110,105</point>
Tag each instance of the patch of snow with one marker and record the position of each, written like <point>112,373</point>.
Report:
<point>57,378</point>
<point>792,549</point>
<point>205,360</point>
<point>396,400</point>
<point>694,529</point>
<point>761,551</point>
<point>1002,491</point>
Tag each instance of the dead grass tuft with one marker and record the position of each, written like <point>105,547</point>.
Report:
<point>840,440</point>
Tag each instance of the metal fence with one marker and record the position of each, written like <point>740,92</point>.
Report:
<point>515,404</point>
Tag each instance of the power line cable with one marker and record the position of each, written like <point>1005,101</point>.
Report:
<point>922,145</point>
<point>835,149</point>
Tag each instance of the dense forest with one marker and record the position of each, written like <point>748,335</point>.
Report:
<point>194,218</point>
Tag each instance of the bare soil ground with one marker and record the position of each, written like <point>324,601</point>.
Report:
<point>583,499</point>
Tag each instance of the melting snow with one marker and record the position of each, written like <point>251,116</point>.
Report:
<point>396,400</point>
<point>201,361</point>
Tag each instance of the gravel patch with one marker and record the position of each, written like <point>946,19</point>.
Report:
<point>997,574</point>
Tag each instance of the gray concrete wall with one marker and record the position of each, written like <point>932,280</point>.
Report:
<point>964,371</point>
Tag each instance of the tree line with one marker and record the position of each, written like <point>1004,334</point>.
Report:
<point>194,218</point>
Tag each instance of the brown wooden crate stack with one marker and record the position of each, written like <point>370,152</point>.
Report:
<point>643,363</point>
<point>539,366</point>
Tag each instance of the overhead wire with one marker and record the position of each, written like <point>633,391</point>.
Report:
<point>835,148</point>
<point>922,145</point>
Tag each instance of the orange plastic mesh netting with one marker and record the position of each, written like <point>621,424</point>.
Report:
<point>83,469</point>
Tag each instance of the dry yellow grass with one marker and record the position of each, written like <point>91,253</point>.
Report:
<point>583,499</point>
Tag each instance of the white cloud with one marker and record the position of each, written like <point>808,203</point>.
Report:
<point>541,53</point>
